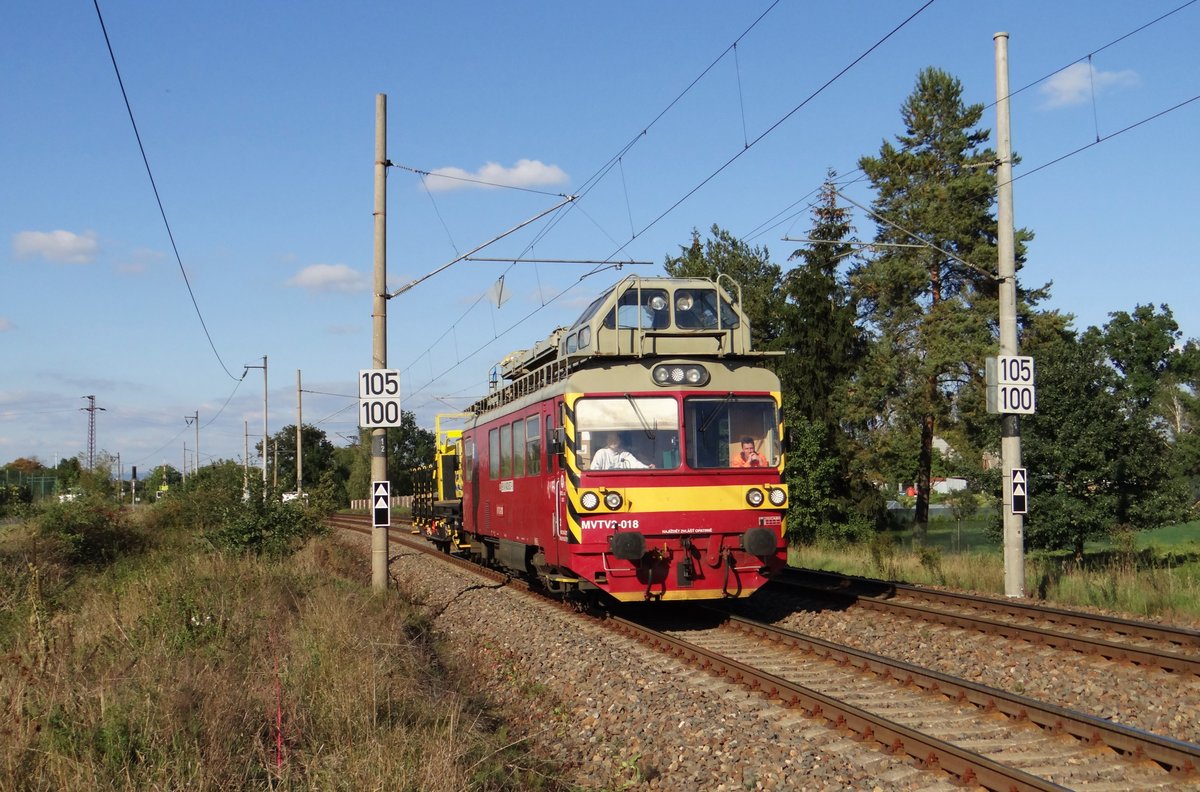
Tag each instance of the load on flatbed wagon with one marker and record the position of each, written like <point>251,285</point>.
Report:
<point>636,454</point>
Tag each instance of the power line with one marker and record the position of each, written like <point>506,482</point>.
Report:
<point>1088,56</point>
<point>154,186</point>
<point>777,123</point>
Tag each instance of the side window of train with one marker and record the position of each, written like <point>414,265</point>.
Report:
<point>533,445</point>
<point>494,454</point>
<point>468,459</point>
<point>518,432</point>
<point>505,451</point>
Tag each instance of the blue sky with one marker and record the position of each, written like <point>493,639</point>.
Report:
<point>258,123</point>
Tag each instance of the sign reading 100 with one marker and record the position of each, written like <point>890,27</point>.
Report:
<point>378,398</point>
<point>1010,385</point>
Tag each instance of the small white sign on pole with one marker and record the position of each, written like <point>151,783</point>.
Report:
<point>379,398</point>
<point>381,504</point>
<point>1020,491</point>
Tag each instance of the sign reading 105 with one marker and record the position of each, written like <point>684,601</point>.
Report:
<point>378,398</point>
<point>1010,385</point>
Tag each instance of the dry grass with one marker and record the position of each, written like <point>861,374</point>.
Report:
<point>187,670</point>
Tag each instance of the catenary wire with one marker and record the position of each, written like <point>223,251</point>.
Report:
<point>154,186</point>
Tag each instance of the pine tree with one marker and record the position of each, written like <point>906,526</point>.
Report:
<point>823,346</point>
<point>931,316</point>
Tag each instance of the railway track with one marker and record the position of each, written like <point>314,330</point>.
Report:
<point>1169,648</point>
<point>979,735</point>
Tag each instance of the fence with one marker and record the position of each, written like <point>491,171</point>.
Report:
<point>398,502</point>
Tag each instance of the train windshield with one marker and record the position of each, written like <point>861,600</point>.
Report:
<point>731,432</point>
<point>696,309</point>
<point>644,309</point>
<point>627,432</point>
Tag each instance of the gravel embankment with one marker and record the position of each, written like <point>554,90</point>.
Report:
<point>617,716</point>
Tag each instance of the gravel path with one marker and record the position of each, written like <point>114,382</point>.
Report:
<point>617,716</point>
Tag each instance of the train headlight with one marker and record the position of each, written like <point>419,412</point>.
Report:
<point>658,302</point>
<point>612,500</point>
<point>777,497</point>
<point>683,302</point>
<point>589,500</point>
<point>679,374</point>
<point>755,497</point>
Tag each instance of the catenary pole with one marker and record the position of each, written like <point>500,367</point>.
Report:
<point>1010,427</point>
<point>299,423</point>
<point>379,534</point>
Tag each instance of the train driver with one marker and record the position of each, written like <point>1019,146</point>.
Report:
<point>613,457</point>
<point>747,457</point>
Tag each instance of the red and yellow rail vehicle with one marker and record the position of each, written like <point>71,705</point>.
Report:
<point>636,453</point>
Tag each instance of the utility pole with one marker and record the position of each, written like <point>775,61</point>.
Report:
<point>190,419</point>
<point>379,533</point>
<point>264,440</point>
<point>299,453</point>
<point>91,411</point>
<point>245,460</point>
<point>1010,426</point>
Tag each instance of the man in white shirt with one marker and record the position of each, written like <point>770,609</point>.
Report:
<point>613,457</point>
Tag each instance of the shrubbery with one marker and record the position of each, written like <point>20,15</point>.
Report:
<point>92,531</point>
<point>265,527</point>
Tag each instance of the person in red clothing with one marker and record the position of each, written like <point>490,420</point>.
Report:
<point>747,457</point>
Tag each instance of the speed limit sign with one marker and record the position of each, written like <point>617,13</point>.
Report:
<point>378,398</point>
<point>1010,385</point>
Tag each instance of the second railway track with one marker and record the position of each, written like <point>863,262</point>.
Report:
<point>979,735</point>
<point>1123,640</point>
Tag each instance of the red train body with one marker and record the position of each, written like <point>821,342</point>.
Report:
<point>637,453</point>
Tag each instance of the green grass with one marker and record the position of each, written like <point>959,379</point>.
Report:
<point>1155,573</point>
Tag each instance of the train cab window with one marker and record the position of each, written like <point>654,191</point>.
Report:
<point>696,309</point>
<point>518,457</point>
<point>533,445</point>
<point>716,428</point>
<point>639,432</point>
<point>646,309</point>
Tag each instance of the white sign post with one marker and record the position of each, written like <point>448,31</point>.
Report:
<point>1010,385</point>
<point>378,398</point>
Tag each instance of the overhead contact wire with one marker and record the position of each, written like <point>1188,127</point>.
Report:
<point>154,187</point>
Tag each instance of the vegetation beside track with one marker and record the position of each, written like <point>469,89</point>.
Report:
<point>211,645</point>
<point>1155,573</point>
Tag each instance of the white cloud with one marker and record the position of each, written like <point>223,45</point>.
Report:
<point>63,247</point>
<point>1074,84</point>
<point>526,173</point>
<point>5,325</point>
<point>331,278</point>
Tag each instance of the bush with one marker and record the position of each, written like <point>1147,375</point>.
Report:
<point>266,527</point>
<point>92,531</point>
